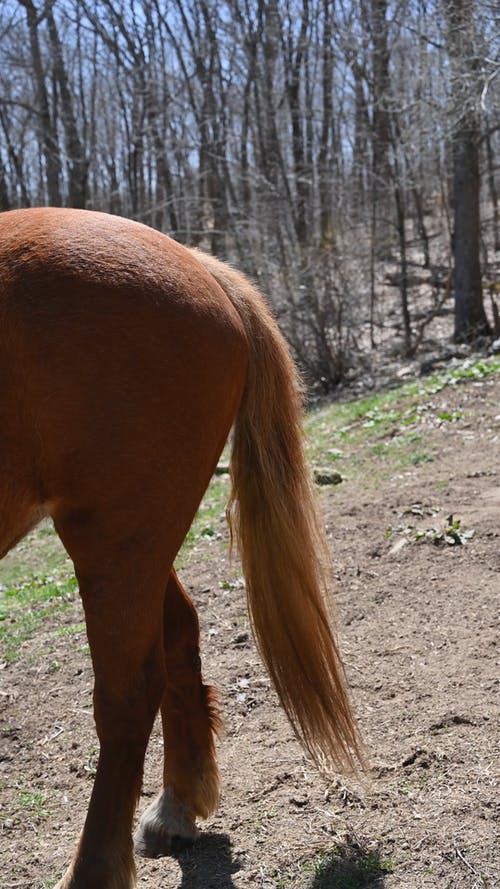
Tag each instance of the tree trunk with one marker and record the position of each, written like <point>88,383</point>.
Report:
<point>50,147</point>
<point>381,89</point>
<point>490,162</point>
<point>325,166</point>
<point>294,78</point>
<point>77,162</point>
<point>470,317</point>
<point>403,264</point>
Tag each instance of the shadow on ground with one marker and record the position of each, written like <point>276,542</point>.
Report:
<point>350,866</point>
<point>208,864</point>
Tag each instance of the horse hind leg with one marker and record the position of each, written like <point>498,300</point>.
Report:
<point>189,716</point>
<point>122,586</point>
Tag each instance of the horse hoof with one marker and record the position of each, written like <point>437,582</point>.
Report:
<point>165,828</point>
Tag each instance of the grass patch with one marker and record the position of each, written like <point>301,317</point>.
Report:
<point>349,866</point>
<point>29,804</point>
<point>208,522</point>
<point>40,552</point>
<point>386,424</point>
<point>69,630</point>
<point>26,605</point>
<point>33,803</point>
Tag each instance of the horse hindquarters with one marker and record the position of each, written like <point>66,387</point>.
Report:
<point>132,385</point>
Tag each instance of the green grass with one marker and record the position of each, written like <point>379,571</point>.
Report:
<point>40,552</point>
<point>26,605</point>
<point>29,804</point>
<point>211,514</point>
<point>385,429</point>
<point>349,866</point>
<point>33,803</point>
<point>69,630</point>
<point>387,425</point>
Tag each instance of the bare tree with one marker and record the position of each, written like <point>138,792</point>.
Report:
<point>77,162</point>
<point>47,120</point>
<point>470,316</point>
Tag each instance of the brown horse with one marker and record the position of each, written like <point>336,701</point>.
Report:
<point>125,359</point>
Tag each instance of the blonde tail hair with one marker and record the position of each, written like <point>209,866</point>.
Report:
<point>273,516</point>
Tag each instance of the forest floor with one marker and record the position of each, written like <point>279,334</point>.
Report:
<point>416,601</point>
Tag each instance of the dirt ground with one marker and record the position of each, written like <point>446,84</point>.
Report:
<point>418,627</point>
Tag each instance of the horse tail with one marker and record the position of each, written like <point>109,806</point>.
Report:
<point>273,516</point>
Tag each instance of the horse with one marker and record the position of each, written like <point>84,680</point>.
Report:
<point>125,361</point>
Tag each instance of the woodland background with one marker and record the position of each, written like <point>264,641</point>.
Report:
<point>344,154</point>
